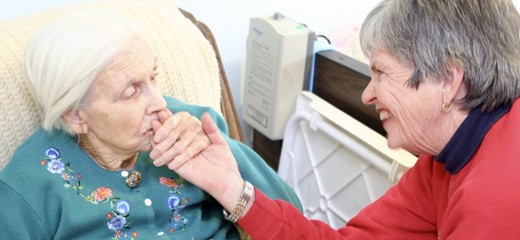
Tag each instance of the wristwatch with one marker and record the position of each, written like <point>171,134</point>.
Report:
<point>237,212</point>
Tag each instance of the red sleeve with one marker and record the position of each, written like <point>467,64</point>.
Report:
<point>406,211</point>
<point>277,219</point>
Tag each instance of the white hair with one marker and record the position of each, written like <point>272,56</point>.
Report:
<point>64,59</point>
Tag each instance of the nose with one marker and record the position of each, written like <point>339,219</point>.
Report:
<point>156,100</point>
<point>369,94</point>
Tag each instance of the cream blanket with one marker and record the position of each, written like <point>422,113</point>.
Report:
<point>187,64</point>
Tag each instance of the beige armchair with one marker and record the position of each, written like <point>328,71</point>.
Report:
<point>191,67</point>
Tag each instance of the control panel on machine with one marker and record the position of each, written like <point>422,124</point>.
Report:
<point>278,64</point>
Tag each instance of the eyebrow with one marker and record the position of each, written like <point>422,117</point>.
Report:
<point>131,80</point>
<point>377,65</point>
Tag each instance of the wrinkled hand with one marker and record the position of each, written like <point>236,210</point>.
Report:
<point>214,169</point>
<point>178,137</point>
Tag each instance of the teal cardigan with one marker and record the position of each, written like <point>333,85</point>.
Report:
<point>51,189</point>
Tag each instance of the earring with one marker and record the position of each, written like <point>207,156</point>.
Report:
<point>446,107</point>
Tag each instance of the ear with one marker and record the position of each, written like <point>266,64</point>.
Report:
<point>454,86</point>
<point>73,119</point>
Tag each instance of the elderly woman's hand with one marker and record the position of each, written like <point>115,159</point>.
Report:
<point>207,160</point>
<point>178,137</point>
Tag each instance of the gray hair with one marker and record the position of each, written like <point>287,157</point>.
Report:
<point>63,60</point>
<point>480,36</point>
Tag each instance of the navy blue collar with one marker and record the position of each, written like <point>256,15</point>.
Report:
<point>466,140</point>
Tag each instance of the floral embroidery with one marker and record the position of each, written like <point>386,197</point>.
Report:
<point>55,166</point>
<point>175,202</point>
<point>168,182</point>
<point>118,217</point>
<point>102,193</point>
<point>117,223</point>
<point>123,207</point>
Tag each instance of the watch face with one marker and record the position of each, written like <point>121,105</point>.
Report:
<point>248,191</point>
<point>241,204</point>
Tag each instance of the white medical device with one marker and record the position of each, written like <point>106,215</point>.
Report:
<point>336,164</point>
<point>278,64</point>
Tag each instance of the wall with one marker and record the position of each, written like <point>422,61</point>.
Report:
<point>10,9</point>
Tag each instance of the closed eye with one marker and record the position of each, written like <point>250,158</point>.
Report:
<point>153,78</point>
<point>129,92</point>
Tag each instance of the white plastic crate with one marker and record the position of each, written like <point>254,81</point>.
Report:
<point>335,164</point>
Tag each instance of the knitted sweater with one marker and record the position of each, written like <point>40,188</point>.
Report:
<point>51,189</point>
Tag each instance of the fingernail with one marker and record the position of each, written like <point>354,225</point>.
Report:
<point>158,137</point>
<point>153,154</point>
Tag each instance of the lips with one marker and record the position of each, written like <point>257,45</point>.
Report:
<point>149,131</point>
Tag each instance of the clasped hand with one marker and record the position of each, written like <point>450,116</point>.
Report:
<point>198,153</point>
<point>177,138</point>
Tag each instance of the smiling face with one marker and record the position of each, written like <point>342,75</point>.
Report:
<point>119,108</point>
<point>411,117</point>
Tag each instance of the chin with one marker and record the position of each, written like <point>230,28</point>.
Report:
<point>407,147</point>
<point>393,143</point>
<point>145,145</point>
<point>390,141</point>
<point>393,146</point>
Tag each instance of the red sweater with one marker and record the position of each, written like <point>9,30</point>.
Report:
<point>481,201</point>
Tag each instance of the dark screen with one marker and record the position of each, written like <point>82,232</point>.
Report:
<point>340,80</point>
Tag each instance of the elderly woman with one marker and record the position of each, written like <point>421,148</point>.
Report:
<point>88,172</point>
<point>445,81</point>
